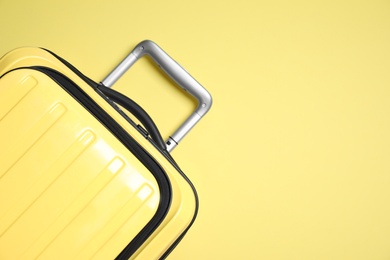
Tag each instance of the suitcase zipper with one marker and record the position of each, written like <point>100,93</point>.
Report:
<point>109,94</point>
<point>166,154</point>
<point>146,159</point>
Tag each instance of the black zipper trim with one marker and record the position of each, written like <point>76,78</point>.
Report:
<point>180,238</point>
<point>147,160</point>
<point>166,154</point>
<point>96,87</point>
<point>170,159</point>
<point>73,68</point>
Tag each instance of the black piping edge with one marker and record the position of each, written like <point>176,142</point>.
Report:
<point>167,155</point>
<point>143,156</point>
<point>96,87</point>
<point>180,238</point>
<point>73,68</point>
<point>137,111</point>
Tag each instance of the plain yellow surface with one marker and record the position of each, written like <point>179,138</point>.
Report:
<point>292,162</point>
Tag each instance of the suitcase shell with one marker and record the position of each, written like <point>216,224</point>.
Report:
<point>79,184</point>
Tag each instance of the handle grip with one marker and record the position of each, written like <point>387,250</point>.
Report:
<point>176,73</point>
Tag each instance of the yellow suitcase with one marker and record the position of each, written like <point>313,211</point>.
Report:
<point>78,178</point>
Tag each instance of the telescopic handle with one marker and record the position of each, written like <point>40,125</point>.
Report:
<point>175,72</point>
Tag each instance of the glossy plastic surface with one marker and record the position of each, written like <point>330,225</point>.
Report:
<point>75,192</point>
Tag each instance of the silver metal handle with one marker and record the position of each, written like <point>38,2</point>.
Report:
<point>175,72</point>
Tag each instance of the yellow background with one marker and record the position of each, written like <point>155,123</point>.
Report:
<point>292,162</point>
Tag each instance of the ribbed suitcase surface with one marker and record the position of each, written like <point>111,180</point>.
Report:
<point>78,178</point>
<point>63,175</point>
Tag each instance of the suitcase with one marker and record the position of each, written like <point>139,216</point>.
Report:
<point>79,178</point>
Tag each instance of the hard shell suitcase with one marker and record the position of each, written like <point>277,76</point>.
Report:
<point>78,178</point>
